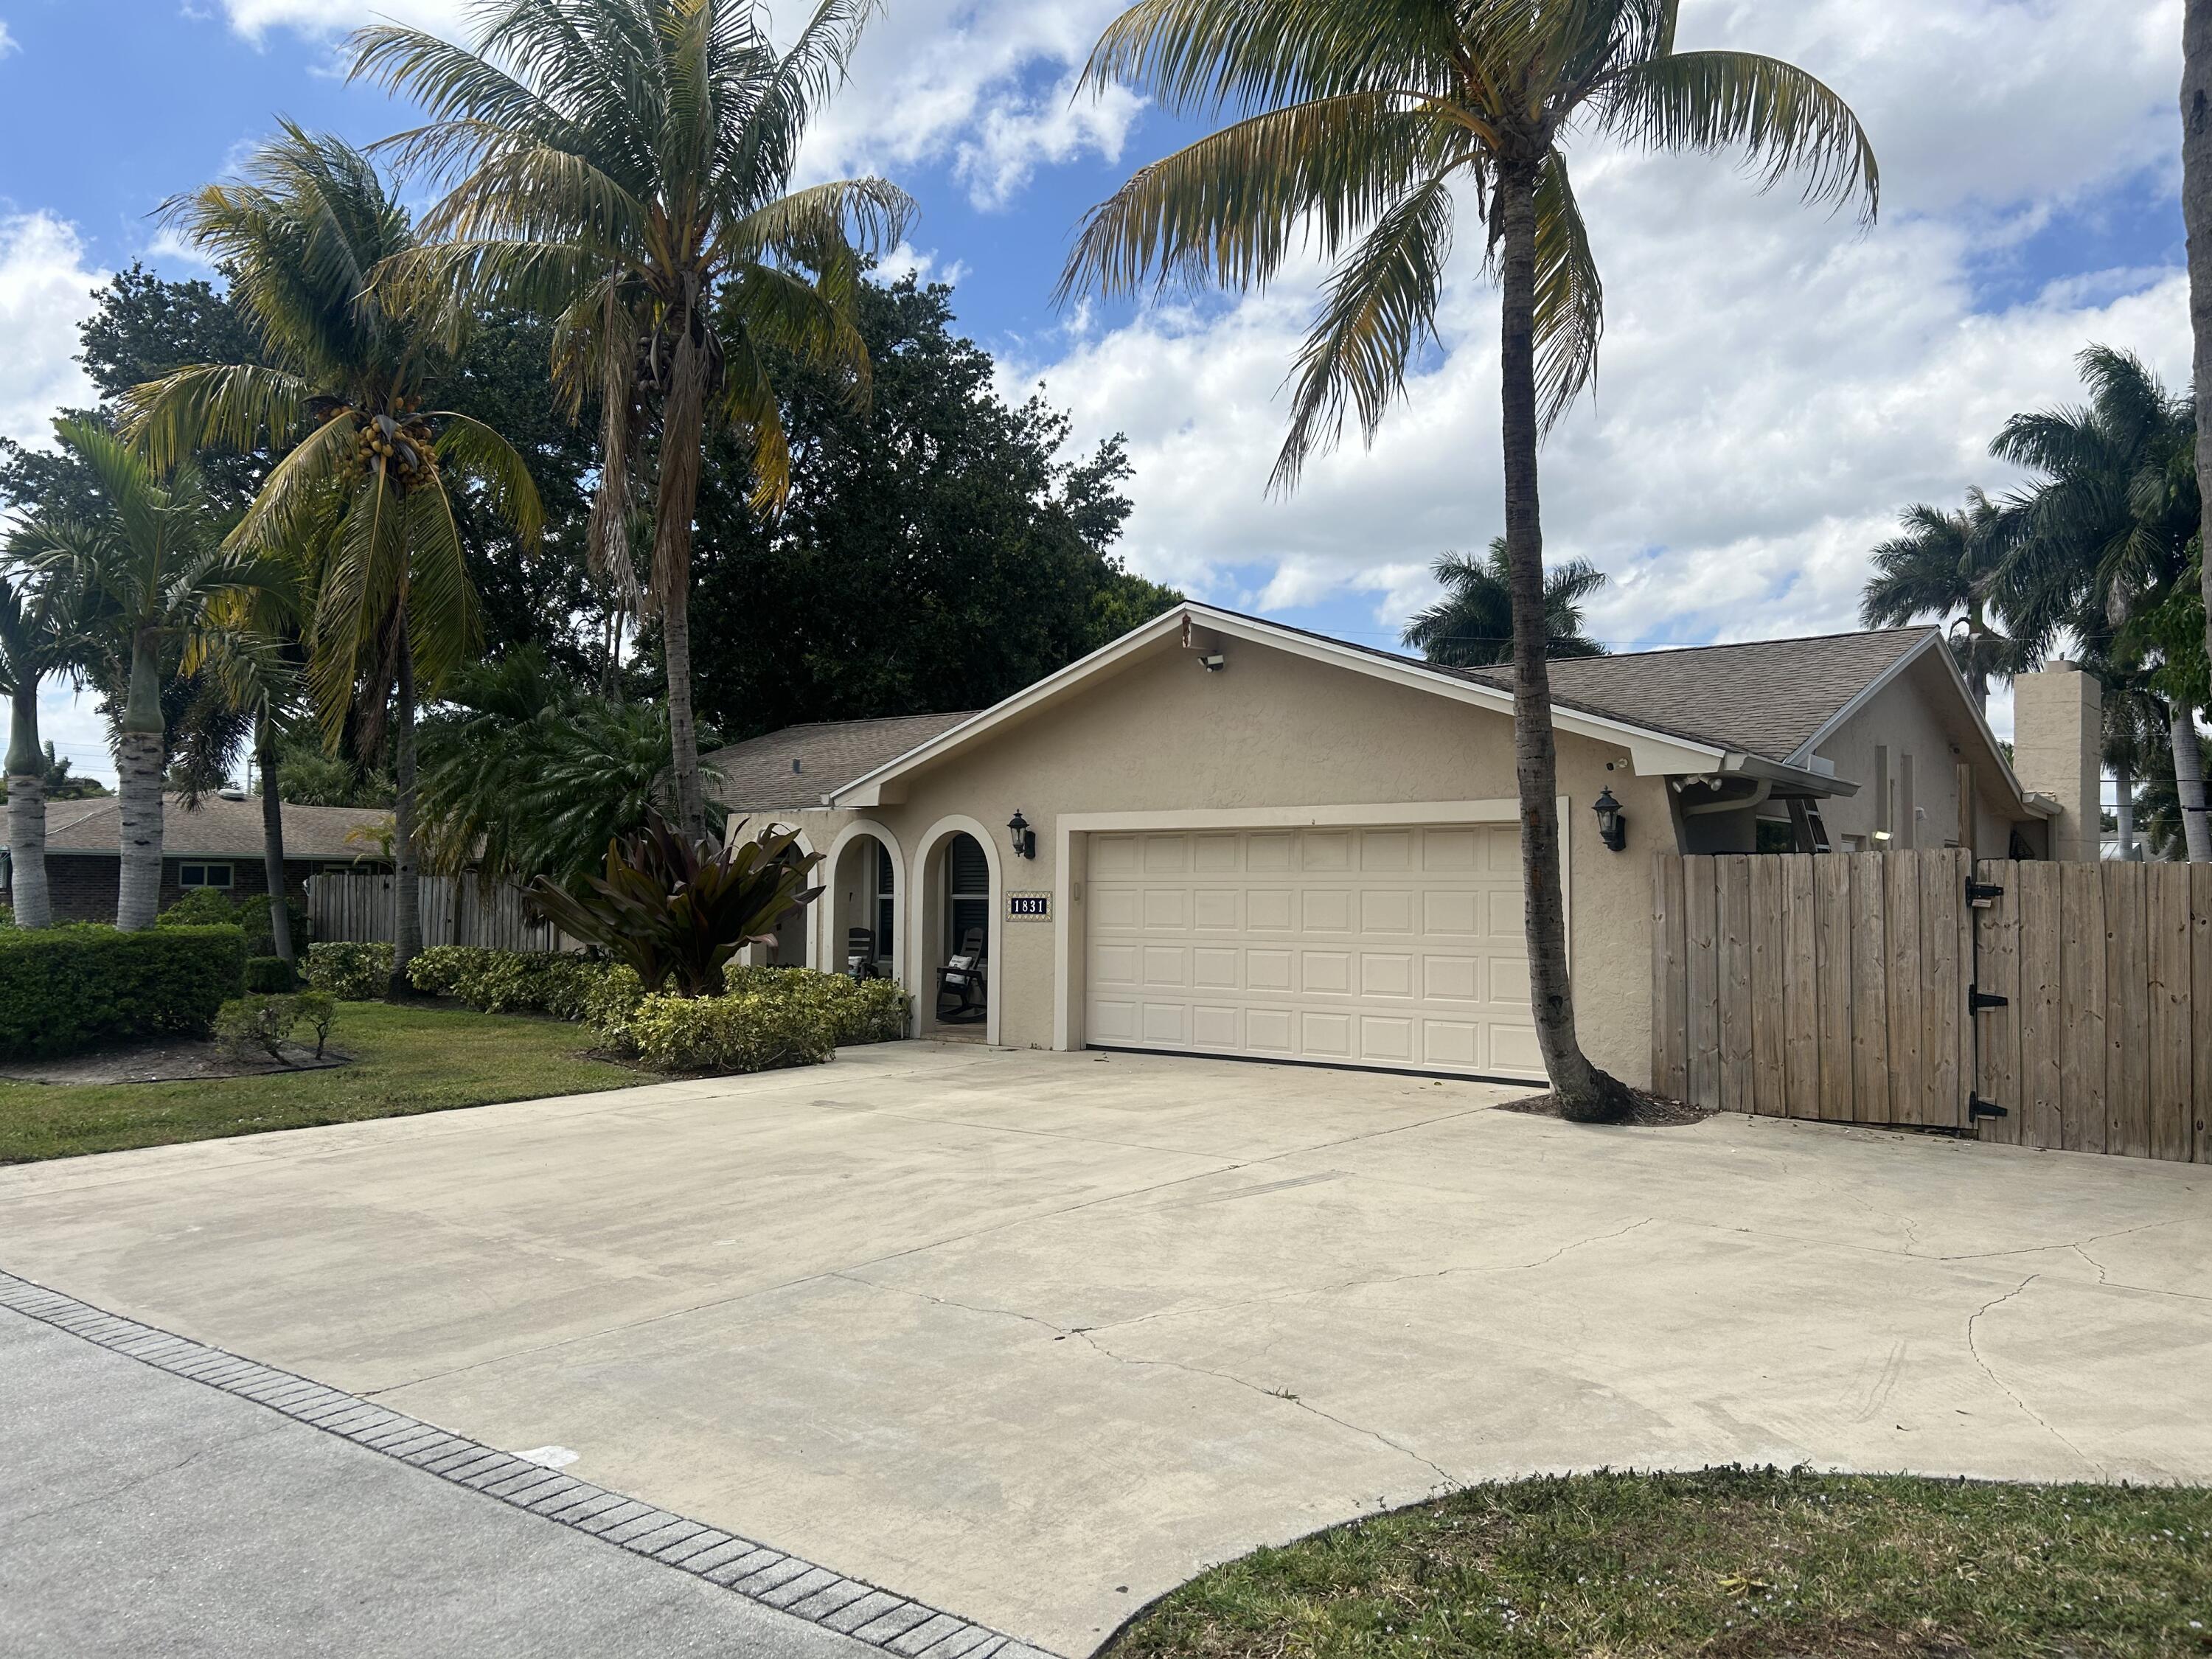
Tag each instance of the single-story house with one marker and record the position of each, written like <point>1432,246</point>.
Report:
<point>1222,836</point>
<point>213,843</point>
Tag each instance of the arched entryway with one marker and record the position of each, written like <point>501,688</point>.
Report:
<point>958,910</point>
<point>791,947</point>
<point>865,883</point>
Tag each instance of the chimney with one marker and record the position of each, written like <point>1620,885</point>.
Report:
<point>2057,750</point>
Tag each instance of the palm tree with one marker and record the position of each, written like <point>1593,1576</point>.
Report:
<point>1359,123</point>
<point>1945,566</point>
<point>364,496</point>
<point>2105,535</point>
<point>153,557</point>
<point>40,637</point>
<point>1471,627</point>
<point>2196,217</point>
<point>625,167</point>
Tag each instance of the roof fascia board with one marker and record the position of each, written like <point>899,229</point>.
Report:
<point>1818,783</point>
<point>1651,752</point>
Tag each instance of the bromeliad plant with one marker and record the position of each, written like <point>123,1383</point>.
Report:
<point>671,906</point>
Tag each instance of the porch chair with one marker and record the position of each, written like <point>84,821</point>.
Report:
<point>861,954</point>
<point>963,980</point>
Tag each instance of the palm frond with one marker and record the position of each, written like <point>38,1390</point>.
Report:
<point>469,446</point>
<point>1569,295</point>
<point>1782,120</point>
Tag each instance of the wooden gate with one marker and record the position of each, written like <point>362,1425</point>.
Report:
<point>2063,1005</point>
<point>1829,986</point>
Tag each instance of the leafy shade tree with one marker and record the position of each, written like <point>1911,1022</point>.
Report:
<point>1472,626</point>
<point>1946,565</point>
<point>2106,534</point>
<point>526,772</point>
<point>153,557</point>
<point>366,492</point>
<point>625,166</point>
<point>935,553</point>
<point>1359,125</point>
<point>39,622</point>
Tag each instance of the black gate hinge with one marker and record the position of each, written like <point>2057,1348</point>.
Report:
<point>1978,1000</point>
<point>1977,1108</point>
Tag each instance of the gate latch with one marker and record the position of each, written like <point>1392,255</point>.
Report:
<point>1982,893</point>
<point>1979,1108</point>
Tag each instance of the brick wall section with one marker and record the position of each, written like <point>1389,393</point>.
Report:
<point>84,886</point>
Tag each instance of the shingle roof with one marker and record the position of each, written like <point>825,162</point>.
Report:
<point>1767,697</point>
<point>757,776</point>
<point>215,828</point>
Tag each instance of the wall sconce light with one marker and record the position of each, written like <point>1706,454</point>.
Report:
<point>1212,661</point>
<point>1611,822</point>
<point>1023,837</point>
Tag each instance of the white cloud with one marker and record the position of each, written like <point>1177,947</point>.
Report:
<point>1773,386</point>
<point>9,43</point>
<point>45,292</point>
<point>254,18</point>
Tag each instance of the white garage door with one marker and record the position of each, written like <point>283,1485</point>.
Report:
<point>1393,947</point>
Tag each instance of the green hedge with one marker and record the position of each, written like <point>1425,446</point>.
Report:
<point>509,981</point>
<point>747,1033</point>
<point>354,972</point>
<point>65,990</point>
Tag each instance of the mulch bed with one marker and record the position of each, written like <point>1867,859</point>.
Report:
<point>167,1062</point>
<point>1649,1111</point>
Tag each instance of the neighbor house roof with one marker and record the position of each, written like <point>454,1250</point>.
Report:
<point>215,828</point>
<point>758,776</point>
<point>1772,698</point>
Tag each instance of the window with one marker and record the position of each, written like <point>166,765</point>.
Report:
<point>203,875</point>
<point>887,900</point>
<point>968,877</point>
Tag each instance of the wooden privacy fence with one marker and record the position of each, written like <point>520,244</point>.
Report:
<point>357,905</point>
<point>2050,1005</point>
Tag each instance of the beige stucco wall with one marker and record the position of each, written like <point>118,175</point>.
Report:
<point>1273,730</point>
<point>1918,714</point>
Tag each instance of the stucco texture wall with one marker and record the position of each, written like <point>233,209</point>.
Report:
<point>1272,730</point>
<point>1911,716</point>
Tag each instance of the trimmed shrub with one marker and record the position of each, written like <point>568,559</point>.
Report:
<point>65,990</point>
<point>509,981</point>
<point>612,1005</point>
<point>209,907</point>
<point>859,1010</point>
<point>744,1033</point>
<point>352,972</point>
<point>204,907</point>
<point>253,1025</point>
<point>270,976</point>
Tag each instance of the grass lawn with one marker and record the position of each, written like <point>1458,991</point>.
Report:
<point>409,1060</point>
<point>1724,1564</point>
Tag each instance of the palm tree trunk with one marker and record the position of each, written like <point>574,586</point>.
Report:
<point>683,428</point>
<point>2196,219</point>
<point>138,764</point>
<point>406,873</point>
<point>2189,785</point>
<point>1585,1093</point>
<point>2123,811</point>
<point>26,814</point>
<point>272,836</point>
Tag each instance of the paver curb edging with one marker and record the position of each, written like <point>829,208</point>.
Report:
<point>894,1622</point>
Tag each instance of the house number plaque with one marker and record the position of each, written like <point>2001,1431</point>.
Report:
<point>1028,907</point>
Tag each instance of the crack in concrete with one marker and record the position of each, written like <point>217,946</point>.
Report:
<point>1089,1336</point>
<point>2078,1244</point>
<point>2011,1393</point>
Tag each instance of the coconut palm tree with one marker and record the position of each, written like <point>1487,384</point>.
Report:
<point>42,621</point>
<point>150,559</point>
<point>2105,534</point>
<point>364,494</point>
<point>1360,126</point>
<point>1472,626</point>
<point>625,166</point>
<point>1945,567</point>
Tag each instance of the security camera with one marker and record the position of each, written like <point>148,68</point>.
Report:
<point>1212,660</point>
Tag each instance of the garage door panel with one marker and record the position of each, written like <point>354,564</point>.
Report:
<point>1373,945</point>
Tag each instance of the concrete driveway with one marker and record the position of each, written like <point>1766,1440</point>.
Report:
<point>1034,1337</point>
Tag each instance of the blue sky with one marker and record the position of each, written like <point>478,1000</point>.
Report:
<point>1775,383</point>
